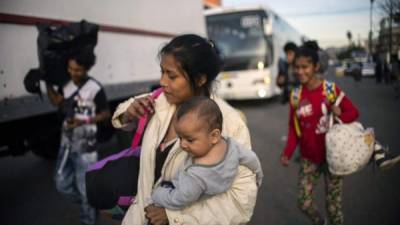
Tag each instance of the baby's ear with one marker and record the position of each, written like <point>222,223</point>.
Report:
<point>215,136</point>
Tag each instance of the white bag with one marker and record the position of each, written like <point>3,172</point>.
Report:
<point>349,147</point>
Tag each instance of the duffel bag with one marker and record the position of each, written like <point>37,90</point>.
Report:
<point>111,183</point>
<point>349,147</point>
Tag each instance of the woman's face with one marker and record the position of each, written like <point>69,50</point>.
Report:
<point>305,69</point>
<point>174,80</point>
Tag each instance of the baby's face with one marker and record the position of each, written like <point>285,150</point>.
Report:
<point>195,137</point>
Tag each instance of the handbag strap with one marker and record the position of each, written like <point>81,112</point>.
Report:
<point>143,121</point>
<point>337,103</point>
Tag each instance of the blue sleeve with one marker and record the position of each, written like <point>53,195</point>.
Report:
<point>188,189</point>
<point>249,159</point>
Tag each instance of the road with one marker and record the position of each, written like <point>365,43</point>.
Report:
<point>371,197</point>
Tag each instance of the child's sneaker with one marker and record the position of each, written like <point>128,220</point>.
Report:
<point>384,159</point>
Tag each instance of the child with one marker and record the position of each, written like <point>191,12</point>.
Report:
<point>84,104</point>
<point>308,124</point>
<point>213,160</point>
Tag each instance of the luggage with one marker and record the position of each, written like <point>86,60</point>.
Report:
<point>349,147</point>
<point>112,182</point>
<point>56,43</point>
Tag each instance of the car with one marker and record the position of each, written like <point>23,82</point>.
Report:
<point>340,70</point>
<point>352,69</point>
<point>368,69</point>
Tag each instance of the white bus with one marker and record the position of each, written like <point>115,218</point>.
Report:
<point>250,41</point>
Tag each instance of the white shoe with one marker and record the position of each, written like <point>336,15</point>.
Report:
<point>384,159</point>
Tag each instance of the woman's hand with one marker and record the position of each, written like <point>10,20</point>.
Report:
<point>336,111</point>
<point>284,160</point>
<point>156,215</point>
<point>139,107</point>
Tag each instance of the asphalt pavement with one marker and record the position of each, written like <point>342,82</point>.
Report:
<point>371,197</point>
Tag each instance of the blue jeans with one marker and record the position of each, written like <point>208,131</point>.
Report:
<point>70,180</point>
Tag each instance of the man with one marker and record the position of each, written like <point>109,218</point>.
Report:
<point>286,78</point>
<point>83,103</point>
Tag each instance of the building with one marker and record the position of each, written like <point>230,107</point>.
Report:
<point>383,44</point>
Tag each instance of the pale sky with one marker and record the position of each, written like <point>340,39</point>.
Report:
<point>324,20</point>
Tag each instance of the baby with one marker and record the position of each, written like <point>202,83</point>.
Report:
<point>213,160</point>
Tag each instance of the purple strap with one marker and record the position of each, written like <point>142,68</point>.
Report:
<point>124,153</point>
<point>134,149</point>
<point>143,121</point>
<point>125,200</point>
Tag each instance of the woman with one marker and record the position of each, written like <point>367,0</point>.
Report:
<point>189,65</point>
<point>308,124</point>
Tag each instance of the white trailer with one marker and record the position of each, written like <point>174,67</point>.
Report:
<point>131,34</point>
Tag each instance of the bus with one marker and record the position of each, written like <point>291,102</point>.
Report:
<point>250,41</point>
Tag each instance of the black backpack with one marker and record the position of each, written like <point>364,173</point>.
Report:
<point>56,43</point>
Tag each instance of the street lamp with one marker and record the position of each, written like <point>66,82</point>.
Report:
<point>390,31</point>
<point>370,30</point>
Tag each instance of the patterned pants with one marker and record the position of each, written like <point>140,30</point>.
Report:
<point>309,175</point>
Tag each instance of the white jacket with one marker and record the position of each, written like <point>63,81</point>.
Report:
<point>232,207</point>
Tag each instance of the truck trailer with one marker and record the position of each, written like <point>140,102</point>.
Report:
<point>131,32</point>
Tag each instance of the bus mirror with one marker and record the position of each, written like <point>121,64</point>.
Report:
<point>268,26</point>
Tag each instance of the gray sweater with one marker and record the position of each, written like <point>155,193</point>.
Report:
<point>197,181</point>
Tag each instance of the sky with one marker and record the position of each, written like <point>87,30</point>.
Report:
<point>327,21</point>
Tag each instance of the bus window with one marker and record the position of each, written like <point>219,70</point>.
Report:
<point>241,39</point>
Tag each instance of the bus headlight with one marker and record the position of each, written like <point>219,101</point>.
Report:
<point>260,65</point>
<point>266,80</point>
<point>262,93</point>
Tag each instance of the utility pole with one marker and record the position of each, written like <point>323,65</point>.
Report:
<point>370,31</point>
<point>390,30</point>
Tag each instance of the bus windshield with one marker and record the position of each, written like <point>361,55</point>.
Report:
<point>240,39</point>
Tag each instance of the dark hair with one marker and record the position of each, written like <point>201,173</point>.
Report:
<point>84,58</point>
<point>290,46</point>
<point>307,52</point>
<point>196,57</point>
<point>312,45</point>
<point>206,109</point>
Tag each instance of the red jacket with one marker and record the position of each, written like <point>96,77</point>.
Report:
<point>313,123</point>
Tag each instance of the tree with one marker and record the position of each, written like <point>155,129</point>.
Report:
<point>350,37</point>
<point>390,7</point>
<point>391,10</point>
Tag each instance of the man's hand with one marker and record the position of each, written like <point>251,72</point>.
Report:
<point>280,81</point>
<point>156,215</point>
<point>72,123</point>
